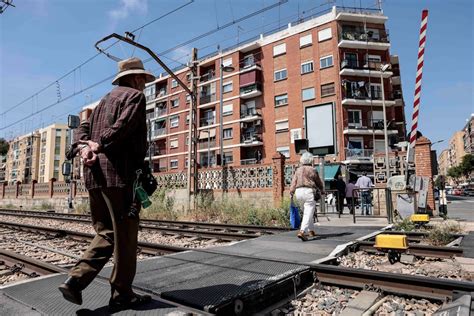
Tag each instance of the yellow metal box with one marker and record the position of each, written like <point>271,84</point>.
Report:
<point>386,241</point>
<point>418,218</point>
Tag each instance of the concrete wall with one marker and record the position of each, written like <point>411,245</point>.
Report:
<point>57,203</point>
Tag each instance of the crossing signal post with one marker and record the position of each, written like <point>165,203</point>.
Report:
<point>73,122</point>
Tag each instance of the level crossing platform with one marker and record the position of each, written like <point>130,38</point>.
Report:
<point>226,280</point>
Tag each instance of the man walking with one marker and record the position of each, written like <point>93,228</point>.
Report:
<point>365,184</point>
<point>341,194</point>
<point>349,196</point>
<point>113,145</point>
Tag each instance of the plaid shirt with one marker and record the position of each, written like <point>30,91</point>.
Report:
<point>118,124</point>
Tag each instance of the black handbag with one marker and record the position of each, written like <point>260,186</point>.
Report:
<point>147,180</point>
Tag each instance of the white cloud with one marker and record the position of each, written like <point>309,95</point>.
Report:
<point>127,7</point>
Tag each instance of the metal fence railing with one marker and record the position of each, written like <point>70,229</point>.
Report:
<point>372,202</point>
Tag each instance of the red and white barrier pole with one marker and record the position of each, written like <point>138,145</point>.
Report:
<point>419,75</point>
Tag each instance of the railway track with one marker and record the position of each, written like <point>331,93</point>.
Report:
<point>224,232</point>
<point>17,263</point>
<point>145,247</point>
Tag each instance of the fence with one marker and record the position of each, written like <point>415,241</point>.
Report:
<point>373,202</point>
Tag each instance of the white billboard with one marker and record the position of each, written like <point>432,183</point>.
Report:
<point>320,128</point>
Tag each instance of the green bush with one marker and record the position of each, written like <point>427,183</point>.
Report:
<point>82,208</point>
<point>442,233</point>
<point>406,225</point>
<point>161,207</point>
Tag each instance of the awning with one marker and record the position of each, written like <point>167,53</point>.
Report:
<point>330,171</point>
<point>204,134</point>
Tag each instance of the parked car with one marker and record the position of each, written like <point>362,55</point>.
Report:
<point>468,192</point>
<point>458,192</point>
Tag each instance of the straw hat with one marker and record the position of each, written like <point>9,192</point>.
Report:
<point>132,66</point>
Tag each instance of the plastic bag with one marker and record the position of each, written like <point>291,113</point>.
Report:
<point>295,220</point>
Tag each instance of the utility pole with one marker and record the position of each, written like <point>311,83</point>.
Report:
<point>192,147</point>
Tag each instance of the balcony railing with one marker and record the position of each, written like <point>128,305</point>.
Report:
<point>159,132</point>
<point>250,137</point>
<point>207,98</point>
<point>150,115</point>
<point>365,124</point>
<point>251,161</point>
<point>249,112</point>
<point>365,36</point>
<point>251,88</point>
<point>358,153</point>
<point>355,64</point>
<point>249,62</point>
<point>156,151</point>
<point>204,144</point>
<point>208,76</point>
<point>160,112</point>
<point>207,121</point>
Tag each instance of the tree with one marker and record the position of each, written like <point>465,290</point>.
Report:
<point>3,147</point>
<point>467,165</point>
<point>455,173</point>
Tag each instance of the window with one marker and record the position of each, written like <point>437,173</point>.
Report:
<point>227,87</point>
<point>279,49</point>
<point>227,133</point>
<point>354,118</point>
<point>376,91</point>
<point>281,99</point>
<point>227,62</point>
<point>373,33</point>
<point>280,74</point>
<point>350,60</point>
<point>174,164</point>
<point>174,83</point>
<point>57,150</point>
<point>327,89</point>
<point>306,67</point>
<point>174,143</point>
<point>227,109</point>
<point>174,103</point>
<point>281,126</point>
<point>307,94</point>
<point>188,118</point>
<point>285,151</point>
<point>174,121</point>
<point>306,40</point>
<point>188,77</point>
<point>373,61</point>
<point>58,133</point>
<point>188,98</point>
<point>187,140</point>
<point>325,62</point>
<point>356,145</point>
<point>324,34</point>
<point>228,157</point>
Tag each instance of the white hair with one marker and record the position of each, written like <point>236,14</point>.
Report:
<point>306,159</point>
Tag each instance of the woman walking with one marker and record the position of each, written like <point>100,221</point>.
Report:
<point>307,187</point>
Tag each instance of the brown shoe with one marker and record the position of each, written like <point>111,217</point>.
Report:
<point>302,236</point>
<point>312,233</point>
<point>71,290</point>
<point>123,303</point>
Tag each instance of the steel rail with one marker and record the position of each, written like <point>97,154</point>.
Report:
<point>418,250</point>
<point>28,265</point>
<point>146,247</point>
<point>181,224</point>
<point>418,286</point>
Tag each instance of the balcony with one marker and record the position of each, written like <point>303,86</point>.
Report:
<point>158,132</point>
<point>359,39</point>
<point>251,161</point>
<point>251,91</point>
<point>396,80</point>
<point>250,114</point>
<point>369,69</point>
<point>250,63</point>
<point>363,15</point>
<point>150,115</point>
<point>359,154</point>
<point>357,94</point>
<point>251,139</point>
<point>208,76</point>
<point>367,127</point>
<point>156,151</point>
<point>207,121</point>
<point>207,98</point>
<point>204,144</point>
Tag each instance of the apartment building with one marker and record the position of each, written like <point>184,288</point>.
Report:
<point>456,149</point>
<point>443,162</point>
<point>468,137</point>
<point>38,155</point>
<point>328,66</point>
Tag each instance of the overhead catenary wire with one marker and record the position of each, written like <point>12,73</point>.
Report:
<point>92,58</point>
<point>279,3</point>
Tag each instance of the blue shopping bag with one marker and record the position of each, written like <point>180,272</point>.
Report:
<point>295,220</point>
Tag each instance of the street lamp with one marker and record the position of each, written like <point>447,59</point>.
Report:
<point>221,107</point>
<point>383,68</point>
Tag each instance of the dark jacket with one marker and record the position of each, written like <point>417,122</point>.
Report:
<point>118,124</point>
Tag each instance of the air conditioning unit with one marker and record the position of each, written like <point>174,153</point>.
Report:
<point>258,123</point>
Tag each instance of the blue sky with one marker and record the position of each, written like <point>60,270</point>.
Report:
<point>41,40</point>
